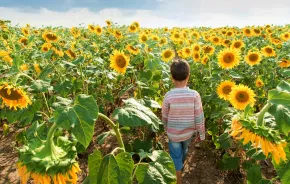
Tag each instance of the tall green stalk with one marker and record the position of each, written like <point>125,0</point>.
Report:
<point>260,121</point>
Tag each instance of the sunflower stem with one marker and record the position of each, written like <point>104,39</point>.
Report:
<point>24,75</point>
<point>115,127</point>
<point>260,121</point>
<point>46,103</point>
<point>49,145</point>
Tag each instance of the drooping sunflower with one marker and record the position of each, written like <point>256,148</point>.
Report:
<point>14,97</point>
<point>143,37</point>
<point>23,41</point>
<point>259,83</point>
<point>71,54</point>
<point>268,51</point>
<point>224,89</point>
<point>205,60</point>
<point>253,58</point>
<point>25,31</point>
<point>50,36</point>
<point>98,30</point>
<point>132,49</point>
<point>186,52</point>
<point>238,44</point>
<point>284,63</point>
<point>136,24</point>
<point>207,49</point>
<point>24,67</point>
<point>119,61</point>
<point>167,55</point>
<point>228,58</point>
<point>241,96</point>
<point>132,28</point>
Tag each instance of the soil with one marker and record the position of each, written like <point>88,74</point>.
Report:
<point>200,166</point>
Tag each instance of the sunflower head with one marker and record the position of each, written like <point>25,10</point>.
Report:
<point>247,31</point>
<point>268,51</point>
<point>228,58</point>
<point>196,56</point>
<point>205,60</point>
<point>98,30</point>
<point>45,47</point>
<point>196,48</point>
<point>25,31</point>
<point>284,63</point>
<point>143,38</point>
<point>167,55</point>
<point>259,83</point>
<point>224,89</point>
<point>118,34</point>
<point>238,44</point>
<point>132,28</point>
<point>207,49</point>
<point>132,49</point>
<point>13,97</point>
<point>186,52</point>
<point>50,36</point>
<point>253,58</point>
<point>119,61</point>
<point>23,41</point>
<point>91,28</point>
<point>285,36</point>
<point>241,96</point>
<point>109,23</point>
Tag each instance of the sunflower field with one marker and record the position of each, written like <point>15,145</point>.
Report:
<point>56,82</point>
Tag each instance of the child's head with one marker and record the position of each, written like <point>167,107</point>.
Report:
<point>179,70</point>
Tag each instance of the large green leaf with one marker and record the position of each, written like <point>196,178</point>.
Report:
<point>80,117</point>
<point>134,114</point>
<point>281,95</point>
<point>228,162</point>
<point>40,86</point>
<point>283,171</point>
<point>94,162</point>
<point>126,165</point>
<point>109,171</point>
<point>282,117</point>
<point>254,174</point>
<point>160,171</point>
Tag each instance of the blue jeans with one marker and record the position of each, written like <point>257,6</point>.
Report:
<point>178,152</point>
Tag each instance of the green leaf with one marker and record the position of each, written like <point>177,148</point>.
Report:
<point>109,171</point>
<point>228,162</point>
<point>150,103</point>
<point>224,141</point>
<point>80,117</point>
<point>282,117</point>
<point>134,114</point>
<point>283,171</point>
<point>46,71</point>
<point>101,138</point>
<point>126,165</point>
<point>142,145</point>
<point>152,64</point>
<point>79,60</point>
<point>94,163</point>
<point>39,86</point>
<point>279,97</point>
<point>254,175</point>
<point>160,171</point>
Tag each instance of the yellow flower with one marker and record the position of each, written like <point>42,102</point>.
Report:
<point>241,96</point>
<point>109,23</point>
<point>37,68</point>
<point>163,41</point>
<point>259,83</point>
<point>50,36</point>
<point>196,48</point>
<point>228,58</point>
<point>215,40</point>
<point>196,56</point>
<point>186,52</point>
<point>285,36</point>
<point>132,28</point>
<point>25,31</point>
<point>136,24</point>
<point>13,97</point>
<point>247,32</point>
<point>268,51</point>
<point>224,89</point>
<point>118,34</point>
<point>175,36</point>
<point>238,44</point>
<point>253,58</point>
<point>24,67</point>
<point>132,49</point>
<point>205,60</point>
<point>284,63</point>
<point>98,30</point>
<point>119,61</point>
<point>91,28</point>
<point>45,47</point>
<point>75,32</point>
<point>207,49</point>
<point>71,54</point>
<point>143,38</point>
<point>167,55</point>
<point>23,41</point>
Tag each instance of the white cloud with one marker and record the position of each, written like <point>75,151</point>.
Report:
<point>182,13</point>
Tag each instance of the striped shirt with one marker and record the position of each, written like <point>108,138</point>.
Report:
<point>182,114</point>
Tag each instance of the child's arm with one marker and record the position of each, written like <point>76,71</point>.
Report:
<point>165,109</point>
<point>199,117</point>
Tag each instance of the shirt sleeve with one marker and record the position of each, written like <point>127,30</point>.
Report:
<point>165,110</point>
<point>199,117</point>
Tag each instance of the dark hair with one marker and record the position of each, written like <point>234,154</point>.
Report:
<point>179,69</point>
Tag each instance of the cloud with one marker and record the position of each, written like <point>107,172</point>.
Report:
<point>170,13</point>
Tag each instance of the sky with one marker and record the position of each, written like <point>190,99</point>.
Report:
<point>149,13</point>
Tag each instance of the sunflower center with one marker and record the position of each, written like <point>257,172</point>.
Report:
<point>45,48</point>
<point>227,41</point>
<point>229,58</point>
<point>118,33</point>
<point>227,89</point>
<point>51,36</point>
<point>187,51</point>
<point>133,28</point>
<point>269,50</point>
<point>167,54</point>
<point>24,41</point>
<point>14,95</point>
<point>207,49</point>
<point>176,36</point>
<point>253,57</point>
<point>25,31</point>
<point>237,44</point>
<point>99,30</point>
<point>247,31</point>
<point>286,35</point>
<point>242,96</point>
<point>71,53</point>
<point>196,56</point>
<point>121,61</point>
<point>196,48</point>
<point>257,31</point>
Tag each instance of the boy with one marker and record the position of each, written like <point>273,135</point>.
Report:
<point>182,115</point>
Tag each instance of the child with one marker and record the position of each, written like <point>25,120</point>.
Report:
<point>182,115</point>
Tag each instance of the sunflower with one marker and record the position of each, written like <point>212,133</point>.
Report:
<point>13,97</point>
<point>91,28</point>
<point>71,54</point>
<point>24,67</point>
<point>175,36</point>
<point>284,63</point>
<point>257,31</point>
<point>207,49</point>
<point>196,48</point>
<point>167,55</point>
<point>45,47</point>
<point>247,31</point>
<point>195,35</point>
<point>205,60</point>
<point>132,49</point>
<point>50,37</point>
<point>118,34</point>
<point>163,41</point>
<point>228,58</point>
<point>143,38</point>
<point>268,51</point>
<point>136,24</point>
<point>98,30</point>
<point>238,44</point>
<point>276,41</point>
<point>5,56</point>
<point>224,89</point>
<point>37,68</point>
<point>119,61</point>
<point>229,33</point>
<point>186,52</point>
<point>239,132</point>
<point>36,32</point>
<point>241,96</point>
<point>132,28</point>
<point>25,31</point>
<point>109,23</point>
<point>259,83</point>
<point>215,40</point>
<point>253,58</point>
<point>196,56</point>
<point>23,41</point>
<point>75,32</point>
<point>285,36</point>
<point>226,43</point>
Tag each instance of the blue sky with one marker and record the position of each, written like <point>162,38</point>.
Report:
<point>150,13</point>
